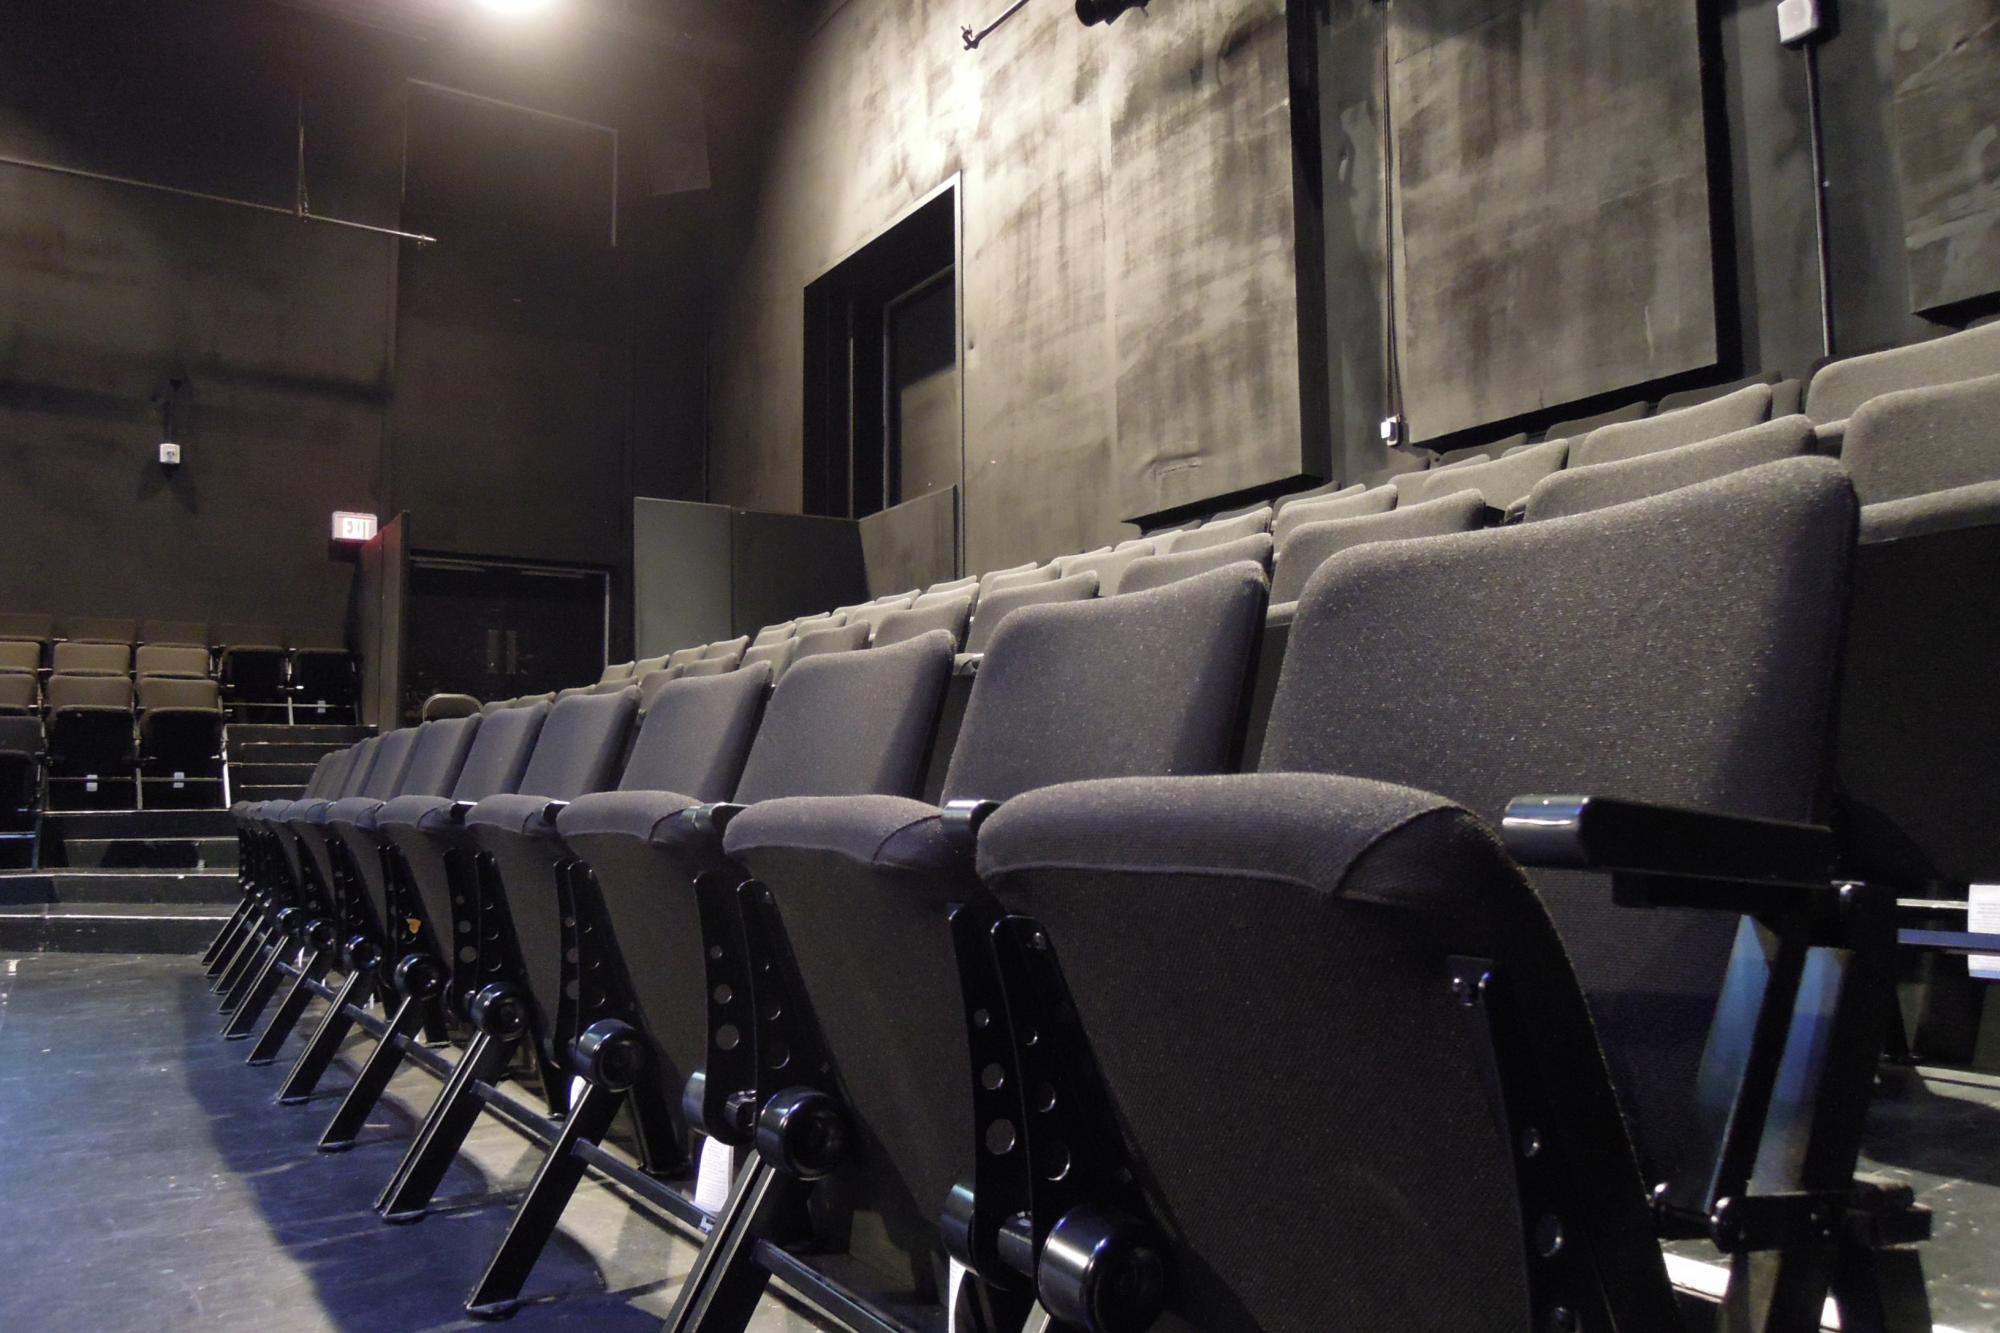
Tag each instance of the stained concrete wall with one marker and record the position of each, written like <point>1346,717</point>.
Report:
<point>1129,290</point>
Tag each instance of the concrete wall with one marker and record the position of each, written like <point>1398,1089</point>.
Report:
<point>1129,292</point>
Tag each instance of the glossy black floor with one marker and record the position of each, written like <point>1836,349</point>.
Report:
<point>148,1181</point>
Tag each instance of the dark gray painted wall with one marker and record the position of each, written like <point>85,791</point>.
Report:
<point>510,387</point>
<point>1130,318</point>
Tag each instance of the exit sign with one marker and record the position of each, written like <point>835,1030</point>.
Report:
<point>353,527</point>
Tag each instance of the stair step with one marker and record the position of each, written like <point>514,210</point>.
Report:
<point>119,887</point>
<point>268,791</point>
<point>109,927</point>
<point>267,775</point>
<point>319,733</point>
<point>216,853</point>
<point>63,825</point>
<point>279,752</point>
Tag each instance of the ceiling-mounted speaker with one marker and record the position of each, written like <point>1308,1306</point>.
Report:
<point>1104,11</point>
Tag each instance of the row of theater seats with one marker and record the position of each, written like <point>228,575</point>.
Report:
<point>260,672</point>
<point>1440,1016</point>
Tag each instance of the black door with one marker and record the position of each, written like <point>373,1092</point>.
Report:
<point>498,631</point>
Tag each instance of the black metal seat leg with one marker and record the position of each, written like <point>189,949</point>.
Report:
<point>409,1192</point>
<point>726,1281</point>
<point>212,956</point>
<point>248,957</point>
<point>373,1080</point>
<point>540,1211</point>
<point>290,1009</point>
<point>323,1045</point>
<point>250,1007</point>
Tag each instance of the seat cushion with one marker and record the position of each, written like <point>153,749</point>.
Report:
<point>512,812</point>
<point>354,812</point>
<point>414,812</point>
<point>631,814</point>
<point>887,832</point>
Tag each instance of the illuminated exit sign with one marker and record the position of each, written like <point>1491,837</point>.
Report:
<point>353,527</point>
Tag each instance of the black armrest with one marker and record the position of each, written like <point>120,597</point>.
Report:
<point>1605,833</point>
<point>961,822</point>
<point>1649,847</point>
<point>458,811</point>
<point>552,811</point>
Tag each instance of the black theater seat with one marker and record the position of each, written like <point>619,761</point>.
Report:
<point>180,740</point>
<point>1577,490</point>
<point>1001,600</point>
<point>1920,720</point>
<point>1344,988</point>
<point>862,886</point>
<point>91,744</point>
<point>1155,571</point>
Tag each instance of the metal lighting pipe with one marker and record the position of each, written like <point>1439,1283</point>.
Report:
<point>1817,132</point>
<point>298,214</point>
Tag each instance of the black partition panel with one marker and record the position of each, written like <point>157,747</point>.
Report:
<point>788,565</point>
<point>382,594</point>
<point>913,544</point>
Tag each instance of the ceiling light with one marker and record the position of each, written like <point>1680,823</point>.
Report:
<point>514,7</point>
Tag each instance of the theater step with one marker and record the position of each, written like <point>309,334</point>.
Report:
<point>67,825</point>
<point>143,854</point>
<point>325,736</point>
<point>177,928</point>
<point>117,887</point>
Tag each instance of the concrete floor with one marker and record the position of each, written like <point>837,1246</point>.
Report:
<point>148,1180</point>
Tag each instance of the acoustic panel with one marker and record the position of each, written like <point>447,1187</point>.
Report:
<point>1946,104</point>
<point>1552,203</point>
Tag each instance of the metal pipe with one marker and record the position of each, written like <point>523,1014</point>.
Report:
<point>1817,128</point>
<point>294,214</point>
<point>973,39</point>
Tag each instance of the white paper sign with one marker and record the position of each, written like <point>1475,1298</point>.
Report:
<point>1984,919</point>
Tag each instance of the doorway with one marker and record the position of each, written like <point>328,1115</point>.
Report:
<point>497,629</point>
<point>884,421</point>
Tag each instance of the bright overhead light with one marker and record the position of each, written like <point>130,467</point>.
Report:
<point>515,6</point>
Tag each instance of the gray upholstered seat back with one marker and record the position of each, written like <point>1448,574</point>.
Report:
<point>616,671</point>
<point>580,746</point>
<point>1149,683</point>
<point>697,733</point>
<point>731,649</point>
<point>998,603</point>
<point>499,752</point>
<point>851,723</point>
<point>438,755</point>
<point>1501,482</point>
<point>841,638</point>
<point>1690,663</point>
<point>1219,530</point>
<point>1917,441</point>
<point>1578,490</point>
<point>948,614</point>
<point>354,782</point>
<point>778,655</point>
<point>1837,391</point>
<point>67,691</point>
<point>707,666</point>
<point>1741,410</point>
<point>1156,571</point>
<point>1330,491</point>
<point>1309,546</point>
<point>86,657</point>
<point>392,761</point>
<point>1348,504</point>
<point>1109,566</point>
